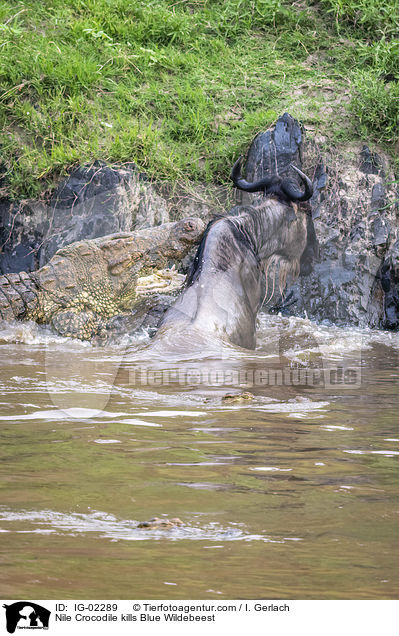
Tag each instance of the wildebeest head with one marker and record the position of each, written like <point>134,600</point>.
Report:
<point>288,192</point>
<point>283,188</point>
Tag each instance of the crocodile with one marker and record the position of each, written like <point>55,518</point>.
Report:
<point>87,283</point>
<point>156,523</point>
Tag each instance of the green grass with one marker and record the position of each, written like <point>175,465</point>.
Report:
<point>365,18</point>
<point>181,87</point>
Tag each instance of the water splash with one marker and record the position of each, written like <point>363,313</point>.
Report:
<point>109,527</point>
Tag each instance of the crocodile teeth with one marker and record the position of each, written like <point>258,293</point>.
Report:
<point>164,280</point>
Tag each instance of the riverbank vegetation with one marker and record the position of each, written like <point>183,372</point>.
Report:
<point>181,86</point>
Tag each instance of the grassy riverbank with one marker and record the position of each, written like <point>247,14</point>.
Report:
<point>181,87</point>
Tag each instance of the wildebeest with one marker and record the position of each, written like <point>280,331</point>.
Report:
<point>227,283</point>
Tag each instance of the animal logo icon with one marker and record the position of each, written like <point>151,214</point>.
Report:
<point>27,615</point>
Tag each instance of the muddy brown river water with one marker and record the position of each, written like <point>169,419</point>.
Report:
<point>293,494</point>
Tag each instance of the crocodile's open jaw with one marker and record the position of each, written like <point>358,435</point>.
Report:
<point>160,281</point>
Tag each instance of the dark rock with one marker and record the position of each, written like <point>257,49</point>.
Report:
<point>84,183</point>
<point>370,162</point>
<point>91,202</point>
<point>273,151</point>
<point>389,279</point>
<point>380,230</point>
<point>385,276</point>
<point>21,233</point>
<point>378,197</point>
<point>319,184</point>
<point>320,178</point>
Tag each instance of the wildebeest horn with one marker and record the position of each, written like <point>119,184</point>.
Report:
<point>292,192</point>
<point>240,183</point>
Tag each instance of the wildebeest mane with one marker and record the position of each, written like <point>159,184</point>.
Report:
<point>242,238</point>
